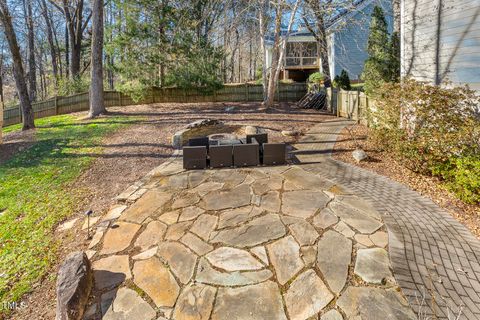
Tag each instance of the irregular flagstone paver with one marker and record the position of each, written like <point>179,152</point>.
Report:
<point>111,271</point>
<point>332,315</point>
<point>151,236</point>
<point>204,225</point>
<point>232,259</point>
<point>306,180</point>
<point>355,218</point>
<point>170,217</point>
<point>119,236</point>
<point>225,199</point>
<point>372,265</point>
<point>195,302</point>
<point>179,181</point>
<point>146,206</point>
<point>234,217</point>
<point>147,254</point>
<point>344,229</point>
<point>196,244</point>
<point>156,280</point>
<point>334,254</point>
<point>325,219</point>
<point>195,178</point>
<point>309,254</point>
<point>180,259</point>
<point>303,204</point>
<point>114,212</point>
<point>207,187</point>
<point>267,184</point>
<point>185,200</point>
<point>207,274</point>
<point>379,238</point>
<point>261,253</point>
<point>363,239</point>
<point>306,296</point>
<point>271,201</point>
<point>255,302</point>
<point>229,177</point>
<point>285,257</point>
<point>190,213</point>
<point>304,233</point>
<point>67,225</point>
<point>374,304</point>
<point>255,232</point>
<point>177,230</point>
<point>127,304</point>
<point>359,204</point>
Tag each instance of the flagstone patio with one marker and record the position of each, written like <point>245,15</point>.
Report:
<point>254,243</point>
<point>287,242</point>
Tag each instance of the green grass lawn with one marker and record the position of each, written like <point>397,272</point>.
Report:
<point>35,195</point>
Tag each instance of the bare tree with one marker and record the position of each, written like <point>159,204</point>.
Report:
<point>278,51</point>
<point>50,38</point>
<point>32,68</point>
<point>320,34</point>
<point>97,105</point>
<point>18,71</point>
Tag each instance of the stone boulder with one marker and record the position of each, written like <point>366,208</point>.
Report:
<point>203,123</point>
<point>74,282</point>
<point>251,130</point>
<point>290,133</point>
<point>359,155</point>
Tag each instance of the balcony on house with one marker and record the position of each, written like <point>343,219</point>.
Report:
<point>301,55</point>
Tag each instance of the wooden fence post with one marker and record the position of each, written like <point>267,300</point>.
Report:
<point>246,92</point>
<point>56,105</point>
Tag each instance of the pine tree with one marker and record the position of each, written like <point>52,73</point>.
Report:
<point>394,58</point>
<point>376,70</point>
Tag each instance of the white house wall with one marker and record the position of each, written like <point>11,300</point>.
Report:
<point>441,41</point>
<point>350,39</point>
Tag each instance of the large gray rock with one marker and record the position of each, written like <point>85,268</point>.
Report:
<point>75,279</point>
<point>359,155</point>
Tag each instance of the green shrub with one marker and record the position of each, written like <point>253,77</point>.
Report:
<point>432,130</point>
<point>462,176</point>
<point>316,78</point>
<point>342,81</point>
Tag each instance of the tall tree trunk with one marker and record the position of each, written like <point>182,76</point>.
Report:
<point>75,26</point>
<point>32,68</point>
<point>321,37</point>
<point>97,105</point>
<point>51,43</point>
<point>18,72</point>
<point>2,100</point>
<point>67,53</point>
<point>263,7</point>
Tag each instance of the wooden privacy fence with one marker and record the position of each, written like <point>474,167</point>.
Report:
<point>352,105</point>
<point>229,93</point>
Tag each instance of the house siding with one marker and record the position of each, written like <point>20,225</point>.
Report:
<point>441,41</point>
<point>350,39</point>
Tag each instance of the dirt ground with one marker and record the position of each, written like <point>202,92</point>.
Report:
<point>384,164</point>
<point>132,152</point>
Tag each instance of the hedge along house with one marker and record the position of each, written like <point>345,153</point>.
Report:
<point>440,41</point>
<point>347,42</point>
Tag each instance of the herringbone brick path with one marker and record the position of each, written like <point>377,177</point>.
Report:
<point>436,260</point>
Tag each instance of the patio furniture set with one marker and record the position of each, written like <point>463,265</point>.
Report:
<point>252,150</point>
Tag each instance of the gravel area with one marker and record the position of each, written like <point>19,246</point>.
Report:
<point>383,163</point>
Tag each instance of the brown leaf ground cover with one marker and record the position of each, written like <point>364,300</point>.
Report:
<point>130,153</point>
<point>385,164</point>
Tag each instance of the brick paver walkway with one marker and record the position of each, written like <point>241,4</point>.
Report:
<point>432,254</point>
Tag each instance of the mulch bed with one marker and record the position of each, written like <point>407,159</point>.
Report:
<point>132,152</point>
<point>384,164</point>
